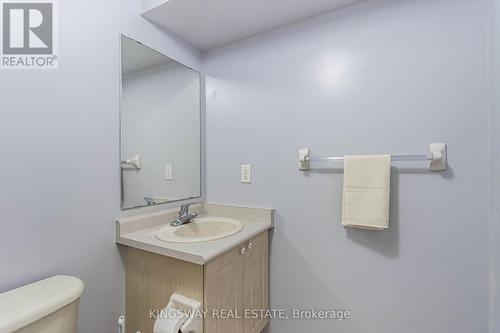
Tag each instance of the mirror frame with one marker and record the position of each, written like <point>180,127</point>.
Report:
<point>122,187</point>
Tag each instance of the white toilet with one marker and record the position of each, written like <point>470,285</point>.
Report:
<point>47,306</point>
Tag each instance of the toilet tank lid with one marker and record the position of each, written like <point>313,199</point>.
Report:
<point>25,305</point>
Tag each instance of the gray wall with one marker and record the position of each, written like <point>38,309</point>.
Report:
<point>385,76</point>
<point>59,188</point>
<point>494,231</point>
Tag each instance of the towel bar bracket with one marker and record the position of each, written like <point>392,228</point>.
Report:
<point>439,160</point>
<point>437,157</point>
<point>304,159</point>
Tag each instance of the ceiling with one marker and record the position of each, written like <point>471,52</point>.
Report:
<point>137,57</point>
<point>210,23</point>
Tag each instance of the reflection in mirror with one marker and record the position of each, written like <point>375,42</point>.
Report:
<point>160,127</point>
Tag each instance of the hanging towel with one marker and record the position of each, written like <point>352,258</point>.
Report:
<point>367,183</point>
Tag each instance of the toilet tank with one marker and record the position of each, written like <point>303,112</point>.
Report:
<point>47,306</point>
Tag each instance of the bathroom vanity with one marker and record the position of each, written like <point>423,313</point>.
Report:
<point>229,276</point>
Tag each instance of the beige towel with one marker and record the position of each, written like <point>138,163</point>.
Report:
<point>367,183</point>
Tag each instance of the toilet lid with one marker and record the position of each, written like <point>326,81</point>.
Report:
<point>25,305</point>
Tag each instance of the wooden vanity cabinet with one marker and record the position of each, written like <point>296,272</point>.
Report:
<point>229,287</point>
<point>256,283</point>
<point>238,281</point>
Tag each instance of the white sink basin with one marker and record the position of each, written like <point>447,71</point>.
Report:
<point>201,230</point>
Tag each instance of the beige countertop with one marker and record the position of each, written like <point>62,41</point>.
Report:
<point>140,231</point>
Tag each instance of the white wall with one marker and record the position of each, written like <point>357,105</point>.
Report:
<point>59,191</point>
<point>160,118</point>
<point>386,76</point>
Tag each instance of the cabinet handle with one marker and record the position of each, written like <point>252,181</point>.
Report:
<point>243,251</point>
<point>250,246</point>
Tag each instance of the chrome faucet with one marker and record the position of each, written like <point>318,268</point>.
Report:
<point>150,201</point>
<point>184,216</point>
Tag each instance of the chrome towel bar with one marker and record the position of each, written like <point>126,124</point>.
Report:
<point>437,158</point>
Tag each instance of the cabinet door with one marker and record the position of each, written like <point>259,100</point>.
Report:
<point>150,281</point>
<point>223,293</point>
<point>256,282</point>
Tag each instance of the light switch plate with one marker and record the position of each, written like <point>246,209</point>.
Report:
<point>169,174</point>
<point>246,174</point>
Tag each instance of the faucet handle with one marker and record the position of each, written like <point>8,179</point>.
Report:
<point>184,209</point>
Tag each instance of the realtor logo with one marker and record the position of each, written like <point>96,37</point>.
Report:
<point>28,35</point>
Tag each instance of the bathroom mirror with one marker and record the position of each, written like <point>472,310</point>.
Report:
<point>159,127</point>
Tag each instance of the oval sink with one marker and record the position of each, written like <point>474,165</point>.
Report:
<point>201,230</point>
